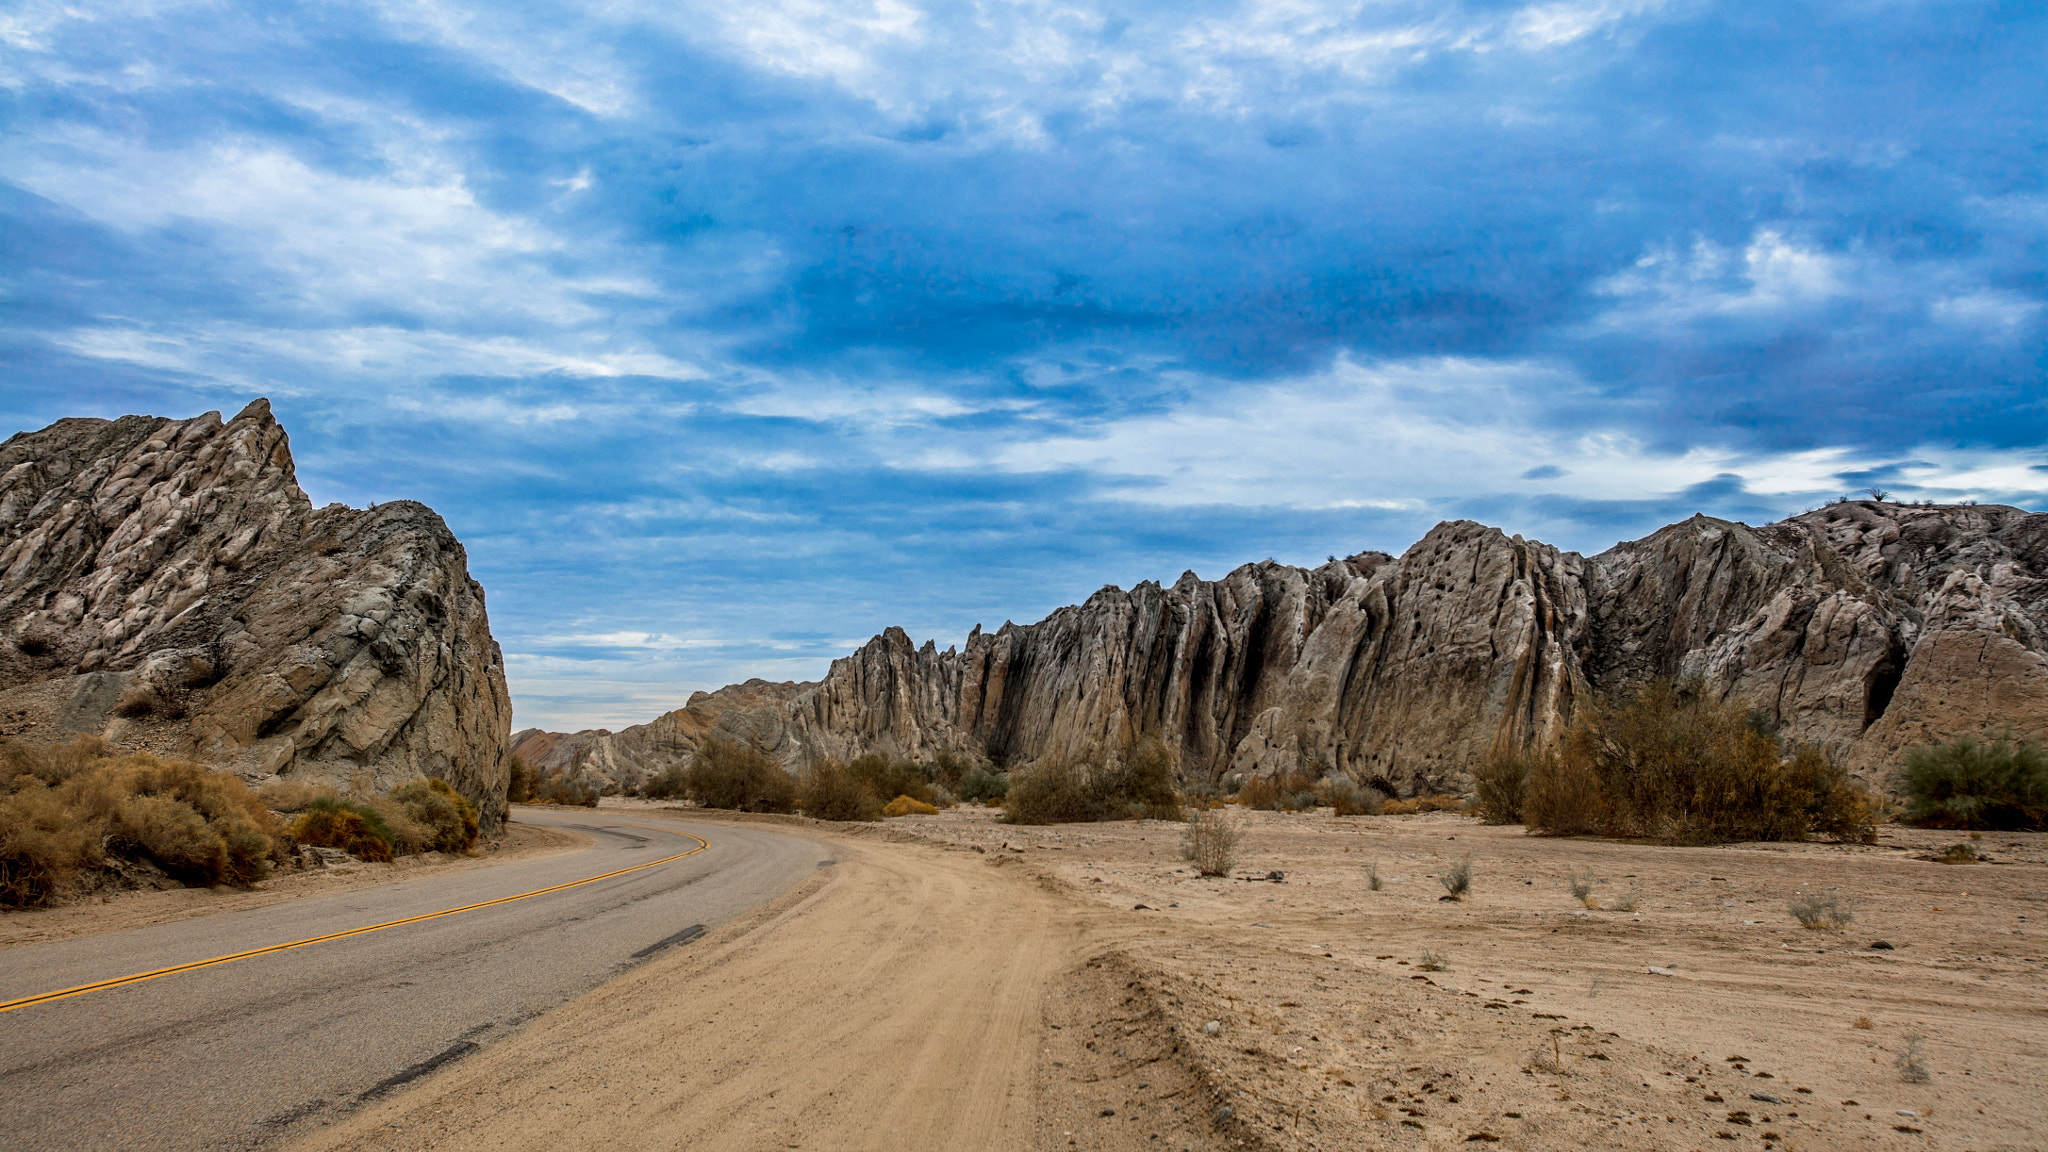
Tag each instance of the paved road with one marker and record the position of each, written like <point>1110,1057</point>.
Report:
<point>244,1054</point>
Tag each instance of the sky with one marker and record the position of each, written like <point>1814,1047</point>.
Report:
<point>727,334</point>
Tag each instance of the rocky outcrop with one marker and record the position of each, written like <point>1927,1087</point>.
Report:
<point>549,751</point>
<point>167,584</point>
<point>1861,627</point>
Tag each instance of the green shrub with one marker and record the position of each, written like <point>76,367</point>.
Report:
<point>724,774</point>
<point>1500,781</point>
<point>1672,763</point>
<point>1967,782</point>
<point>949,769</point>
<point>983,786</point>
<point>671,783</point>
<point>1137,785</point>
<point>830,792</point>
<point>519,781</point>
<point>350,825</point>
<point>448,816</point>
<point>888,779</point>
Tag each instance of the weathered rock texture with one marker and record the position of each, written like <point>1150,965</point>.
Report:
<point>166,583</point>
<point>1862,627</point>
<point>548,751</point>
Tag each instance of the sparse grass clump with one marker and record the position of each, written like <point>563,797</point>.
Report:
<point>1582,889</point>
<point>1456,878</point>
<point>1210,842</point>
<point>1372,876</point>
<point>1431,962</point>
<point>1957,854</point>
<point>1995,782</point>
<point>1137,785</point>
<point>1627,901</point>
<point>1672,763</point>
<point>725,774</point>
<point>1912,1062</point>
<point>829,792</point>
<point>1823,909</point>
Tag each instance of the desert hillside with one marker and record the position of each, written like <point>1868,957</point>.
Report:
<point>166,584</point>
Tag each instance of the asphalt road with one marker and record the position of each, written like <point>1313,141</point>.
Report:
<point>245,1054</point>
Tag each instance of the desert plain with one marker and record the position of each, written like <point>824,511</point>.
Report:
<point>951,981</point>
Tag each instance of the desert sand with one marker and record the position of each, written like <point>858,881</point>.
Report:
<point>954,982</point>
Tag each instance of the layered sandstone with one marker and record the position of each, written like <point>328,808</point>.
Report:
<point>1862,627</point>
<point>167,584</point>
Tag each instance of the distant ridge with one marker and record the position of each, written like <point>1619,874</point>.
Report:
<point>1862,627</point>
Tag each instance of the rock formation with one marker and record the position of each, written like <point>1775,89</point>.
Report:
<point>548,751</point>
<point>1862,627</point>
<point>168,585</point>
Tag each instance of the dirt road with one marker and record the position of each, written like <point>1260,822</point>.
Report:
<point>894,1001</point>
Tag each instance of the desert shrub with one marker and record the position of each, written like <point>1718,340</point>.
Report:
<point>1293,790</point>
<point>887,779</point>
<point>725,774</point>
<point>202,827</point>
<point>1210,842</point>
<point>1957,854</point>
<point>563,786</point>
<point>1563,797</point>
<point>949,769</point>
<point>1348,796</point>
<point>1823,909</point>
<point>1138,785</point>
<point>1967,782</point>
<point>448,816</point>
<point>671,783</point>
<point>42,845</point>
<point>350,825</point>
<point>519,780</point>
<point>1672,763</point>
<point>1500,781</point>
<point>1372,876</point>
<point>1431,962</point>
<point>1456,878</point>
<point>908,806</point>
<point>830,792</point>
<point>981,786</point>
<point>1627,901</point>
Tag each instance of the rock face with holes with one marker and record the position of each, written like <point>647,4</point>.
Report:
<point>1862,627</point>
<point>168,585</point>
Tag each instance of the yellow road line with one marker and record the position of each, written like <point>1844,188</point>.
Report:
<point>139,977</point>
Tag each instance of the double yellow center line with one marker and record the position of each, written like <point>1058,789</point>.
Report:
<point>194,966</point>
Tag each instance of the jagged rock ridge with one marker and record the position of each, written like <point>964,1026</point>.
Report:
<point>166,583</point>
<point>1862,627</point>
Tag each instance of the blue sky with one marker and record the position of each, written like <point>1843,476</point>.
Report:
<point>727,334</point>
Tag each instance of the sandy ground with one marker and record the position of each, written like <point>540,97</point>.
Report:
<point>953,982</point>
<point>84,916</point>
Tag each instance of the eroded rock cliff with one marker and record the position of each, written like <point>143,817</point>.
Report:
<point>167,584</point>
<point>1862,627</point>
